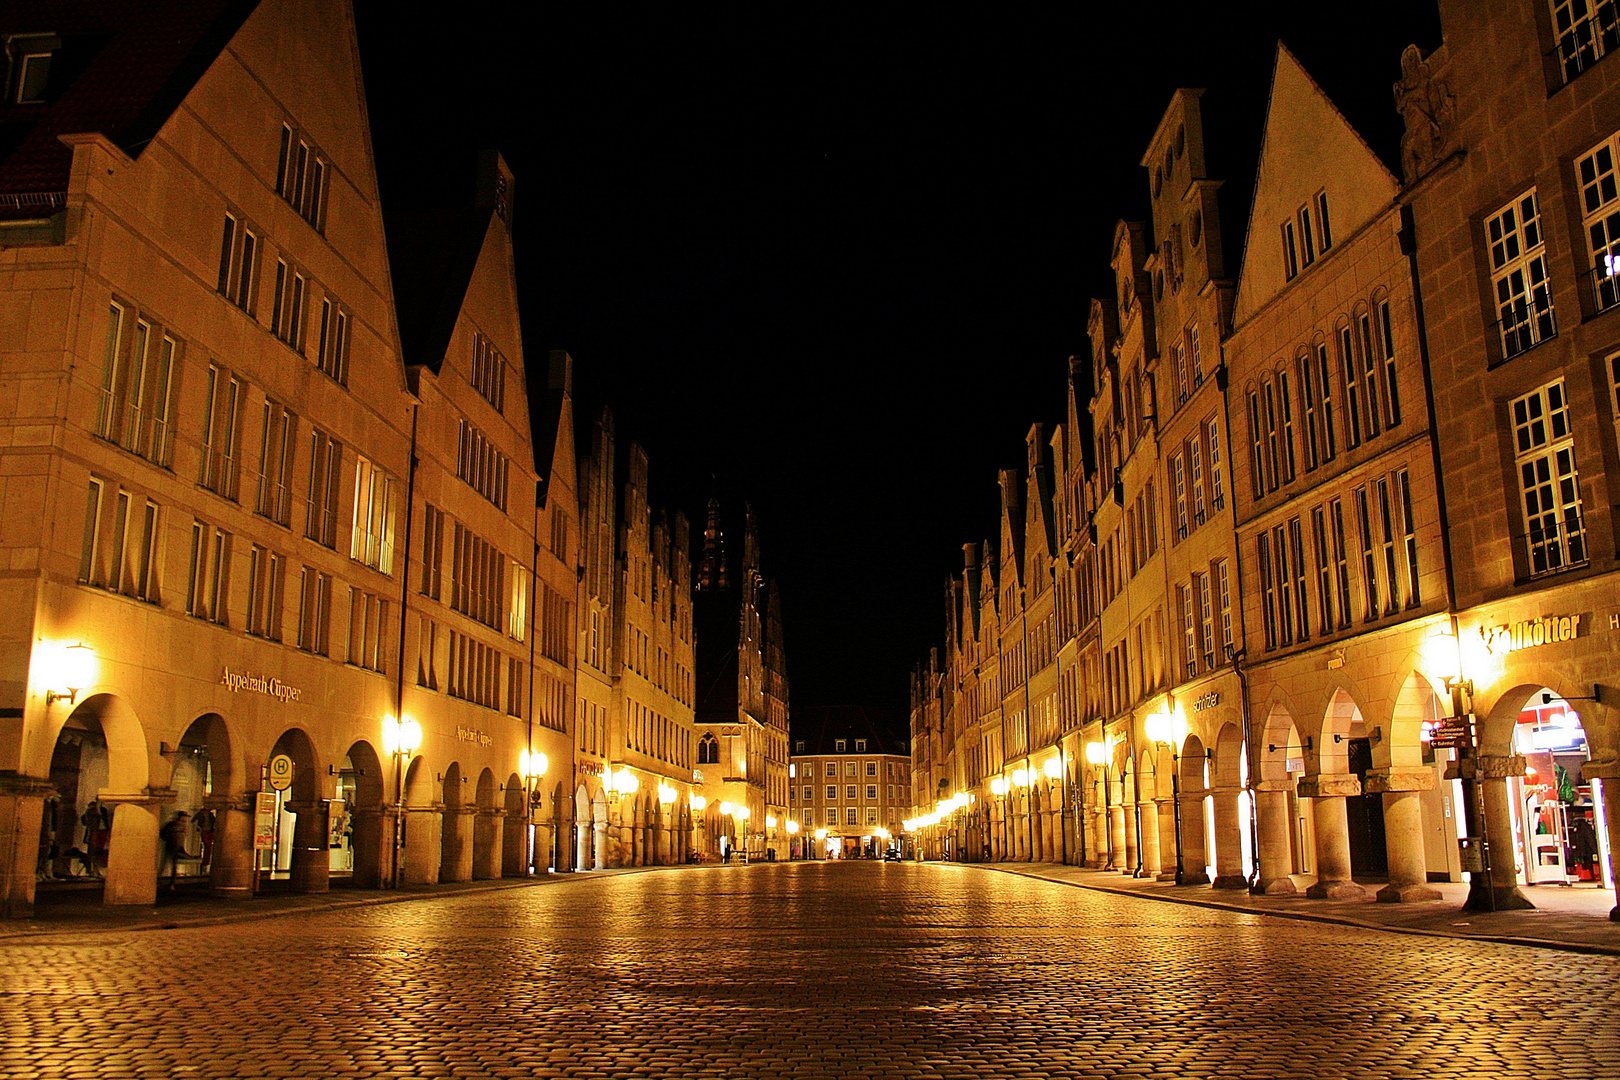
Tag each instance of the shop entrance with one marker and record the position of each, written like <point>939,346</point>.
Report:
<point>1560,837</point>
<point>1364,814</point>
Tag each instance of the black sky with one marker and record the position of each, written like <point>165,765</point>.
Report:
<point>835,262</point>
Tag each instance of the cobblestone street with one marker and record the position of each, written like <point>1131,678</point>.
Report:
<point>805,969</point>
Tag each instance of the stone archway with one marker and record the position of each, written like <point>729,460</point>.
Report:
<point>1147,782</point>
<point>205,775</point>
<point>1226,791</point>
<point>455,839</point>
<point>310,866</point>
<point>1193,858</point>
<point>1401,783</point>
<point>486,827</point>
<point>515,831</point>
<point>1281,850</point>
<point>369,838</point>
<point>1165,764</point>
<point>423,831</point>
<point>583,830</point>
<point>1328,786</point>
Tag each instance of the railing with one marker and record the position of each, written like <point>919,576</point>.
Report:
<point>104,413</point>
<point>1554,544</point>
<point>1579,47</point>
<point>1524,327</point>
<point>134,429</point>
<point>1605,281</point>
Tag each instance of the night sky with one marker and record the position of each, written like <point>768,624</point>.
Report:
<point>835,263</point>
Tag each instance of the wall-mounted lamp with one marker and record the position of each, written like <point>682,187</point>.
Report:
<point>74,669</point>
<point>1096,753</point>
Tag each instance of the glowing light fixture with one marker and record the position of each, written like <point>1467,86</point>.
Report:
<point>699,804</point>
<point>1020,778</point>
<point>792,827</point>
<point>1054,768</point>
<point>401,735</point>
<point>1159,728</point>
<point>72,669</point>
<point>998,786</point>
<point>821,834</point>
<point>725,809</point>
<point>532,766</point>
<point>666,794</point>
<point>770,821</point>
<point>1096,753</point>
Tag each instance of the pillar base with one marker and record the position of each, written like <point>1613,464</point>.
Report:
<point>1507,898</point>
<point>1167,875</point>
<point>1230,881</point>
<point>1199,878</point>
<point>1277,886</point>
<point>1336,890</point>
<point>1406,894</point>
<point>1614,914</point>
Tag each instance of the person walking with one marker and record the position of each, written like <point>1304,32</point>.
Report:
<point>205,828</point>
<point>173,838</point>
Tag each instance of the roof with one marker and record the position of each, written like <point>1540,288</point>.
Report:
<point>885,730</point>
<point>121,69</point>
<point>432,254</point>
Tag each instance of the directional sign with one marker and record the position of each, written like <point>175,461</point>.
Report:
<point>281,772</point>
<point>264,821</point>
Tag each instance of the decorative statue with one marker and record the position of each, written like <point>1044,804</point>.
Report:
<point>1428,110</point>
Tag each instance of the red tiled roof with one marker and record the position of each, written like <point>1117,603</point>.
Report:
<point>121,70</point>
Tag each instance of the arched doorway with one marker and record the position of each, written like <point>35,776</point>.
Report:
<point>300,856</point>
<point>358,824</point>
<point>486,853</point>
<point>455,841</point>
<point>1331,787</point>
<point>515,831</point>
<point>1286,844</point>
<point>1559,814</point>
<point>423,832</point>
<point>583,829</point>
<point>1230,810</point>
<point>1194,778</point>
<point>203,779</point>
<point>1166,812</point>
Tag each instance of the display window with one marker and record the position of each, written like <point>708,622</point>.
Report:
<point>1559,817</point>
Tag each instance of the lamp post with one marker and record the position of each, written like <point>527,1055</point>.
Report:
<point>532,767</point>
<point>1161,729</point>
<point>1054,770</point>
<point>1097,754</point>
<point>1135,773</point>
<point>401,736</point>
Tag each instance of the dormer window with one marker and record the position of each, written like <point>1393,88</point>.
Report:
<point>839,746</point>
<point>31,67</point>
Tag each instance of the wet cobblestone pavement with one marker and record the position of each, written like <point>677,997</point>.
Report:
<point>803,970</point>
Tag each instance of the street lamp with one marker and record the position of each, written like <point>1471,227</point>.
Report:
<point>532,765</point>
<point>1097,754</point>
<point>400,737</point>
<point>1160,728</point>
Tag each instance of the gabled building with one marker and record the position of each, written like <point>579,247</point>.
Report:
<point>851,782</point>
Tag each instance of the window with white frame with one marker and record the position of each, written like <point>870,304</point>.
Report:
<point>1223,590</point>
<point>1549,482</point>
<point>1195,455</point>
<point>1206,619</point>
<point>1587,31</point>
<point>1189,632</point>
<point>1217,481</point>
<point>222,410</point>
<point>1268,593</point>
<point>301,176</point>
<point>372,541</point>
<point>1600,218</point>
<point>1324,570</point>
<point>1352,389</point>
<point>1178,467</point>
<point>1518,261</point>
<point>1280,562</point>
<point>238,263</point>
<point>1369,556</point>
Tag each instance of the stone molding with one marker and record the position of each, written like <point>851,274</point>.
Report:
<point>1330,786</point>
<point>1397,780</point>
<point>1275,785</point>
<point>149,797</point>
<point>1499,767</point>
<point>19,786</point>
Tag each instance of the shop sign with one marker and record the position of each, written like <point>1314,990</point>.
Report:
<point>1208,701</point>
<point>474,735</point>
<point>1530,633</point>
<point>281,772</point>
<point>238,681</point>
<point>264,821</point>
<point>590,768</point>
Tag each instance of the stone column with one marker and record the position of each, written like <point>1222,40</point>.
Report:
<point>599,844</point>
<point>22,809</point>
<point>1150,838</point>
<point>486,845</point>
<point>1228,840</point>
<point>424,835</point>
<point>1274,828</point>
<point>1193,858</point>
<point>371,841</point>
<point>132,853</point>
<point>1606,767</point>
<point>1492,773</point>
<point>1403,833</point>
<point>456,864</point>
<point>1165,815</point>
<point>231,873</point>
<point>311,870</point>
<point>1328,793</point>
<point>1131,853</point>
<point>544,851</point>
<point>515,843</point>
<point>1099,835</point>
<point>1116,831</point>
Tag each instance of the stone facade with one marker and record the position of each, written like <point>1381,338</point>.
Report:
<point>849,784</point>
<point>1318,517</point>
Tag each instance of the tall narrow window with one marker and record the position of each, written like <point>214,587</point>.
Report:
<point>1290,252</point>
<point>333,352</point>
<point>1325,381</point>
<point>1270,404</point>
<point>1323,227</point>
<point>120,542</point>
<point>1519,274</point>
<point>1268,593</point>
<point>1223,588</point>
<point>1341,562</point>
<point>283,160</point>
<point>1307,397</point>
<point>372,540</point>
<point>1352,390</point>
<point>1586,32</point>
<point>1386,531</point>
<point>1370,395</point>
<point>158,444</point>
<point>1179,469</point>
<point>1307,237</point>
<point>1195,454</point>
<point>1206,618</point>
<point>314,611</point>
<point>325,472</point>
<point>247,271</point>
<point>1414,594</point>
<point>1296,547</point>
<point>146,586</point>
<point>1257,470</point>
<point>432,551</point>
<point>1324,571</point>
<point>1285,585</point>
<point>134,431</point>
<point>1217,482</point>
<point>1600,210</point>
<point>1151,514</point>
<point>227,251</point>
<point>1549,482</point>
<point>1195,358</point>
<point>197,570</point>
<point>1369,557</point>
<point>1287,401</point>
<point>1392,391</point>
<point>88,553</point>
<point>219,578</point>
<point>222,409</point>
<point>106,412</point>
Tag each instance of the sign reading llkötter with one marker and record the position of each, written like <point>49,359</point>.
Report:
<point>1529,633</point>
<point>258,684</point>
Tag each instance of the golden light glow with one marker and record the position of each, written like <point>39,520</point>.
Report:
<point>532,766</point>
<point>666,794</point>
<point>821,834</point>
<point>1020,778</point>
<point>699,804</point>
<point>725,809</point>
<point>880,831</point>
<point>743,813</point>
<point>770,821</point>
<point>792,827</point>
<point>625,782</point>
<point>401,736</point>
<point>998,786</point>
<point>1096,753</point>
<point>1160,728</point>
<point>1054,768</point>
<point>67,669</point>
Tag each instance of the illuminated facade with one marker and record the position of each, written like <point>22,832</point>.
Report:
<point>851,782</point>
<point>1313,519</point>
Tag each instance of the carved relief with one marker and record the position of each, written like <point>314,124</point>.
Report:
<point>1427,108</point>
